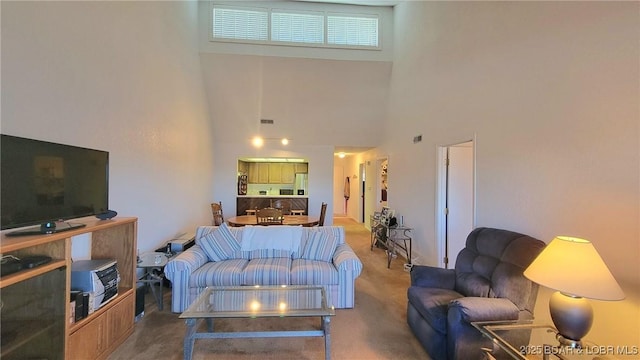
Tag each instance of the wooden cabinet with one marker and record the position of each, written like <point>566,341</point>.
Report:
<point>243,167</point>
<point>288,173</point>
<point>103,332</point>
<point>301,168</point>
<point>93,337</point>
<point>272,173</point>
<point>275,173</point>
<point>258,173</point>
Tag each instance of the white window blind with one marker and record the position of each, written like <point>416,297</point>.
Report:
<point>293,27</point>
<point>350,30</point>
<point>297,27</point>
<point>240,24</point>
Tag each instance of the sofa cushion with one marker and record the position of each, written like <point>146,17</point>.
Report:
<point>432,304</point>
<point>319,246</point>
<point>219,244</point>
<point>267,271</point>
<point>267,253</point>
<point>219,273</point>
<point>313,272</point>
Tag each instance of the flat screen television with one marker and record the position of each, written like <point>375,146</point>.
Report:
<point>44,183</point>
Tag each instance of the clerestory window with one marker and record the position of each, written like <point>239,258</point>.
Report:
<point>298,28</point>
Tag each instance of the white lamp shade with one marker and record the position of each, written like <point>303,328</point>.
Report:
<point>573,266</point>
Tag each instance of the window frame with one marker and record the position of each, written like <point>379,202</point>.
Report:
<point>325,14</point>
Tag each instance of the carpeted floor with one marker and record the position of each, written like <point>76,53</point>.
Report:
<point>375,328</point>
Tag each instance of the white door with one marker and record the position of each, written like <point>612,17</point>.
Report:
<point>459,199</point>
<point>455,200</point>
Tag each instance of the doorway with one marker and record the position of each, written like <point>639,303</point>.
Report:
<point>456,199</point>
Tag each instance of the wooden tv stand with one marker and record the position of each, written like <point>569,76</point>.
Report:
<point>100,333</point>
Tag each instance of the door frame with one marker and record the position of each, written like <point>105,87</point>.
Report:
<point>362,185</point>
<point>441,197</point>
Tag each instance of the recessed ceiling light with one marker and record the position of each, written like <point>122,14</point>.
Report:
<point>257,141</point>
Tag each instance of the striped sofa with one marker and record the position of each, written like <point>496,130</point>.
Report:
<point>229,256</point>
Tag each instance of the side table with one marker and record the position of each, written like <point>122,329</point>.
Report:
<point>153,263</point>
<point>524,340</point>
<point>394,238</point>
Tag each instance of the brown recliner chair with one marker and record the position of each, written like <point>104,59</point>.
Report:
<point>487,284</point>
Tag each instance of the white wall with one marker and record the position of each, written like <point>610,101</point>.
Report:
<point>317,104</point>
<point>123,77</point>
<point>551,90</point>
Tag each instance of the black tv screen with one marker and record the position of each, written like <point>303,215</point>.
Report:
<point>44,182</point>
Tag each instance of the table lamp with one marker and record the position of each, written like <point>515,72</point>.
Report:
<point>573,267</point>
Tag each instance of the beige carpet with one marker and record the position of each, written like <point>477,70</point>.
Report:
<point>375,329</point>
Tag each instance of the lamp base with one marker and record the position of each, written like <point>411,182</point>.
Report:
<point>572,316</point>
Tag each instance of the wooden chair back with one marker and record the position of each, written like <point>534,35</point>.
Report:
<point>216,210</point>
<point>269,216</point>
<point>283,204</point>
<point>323,213</point>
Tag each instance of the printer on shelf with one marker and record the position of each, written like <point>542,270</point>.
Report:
<point>99,278</point>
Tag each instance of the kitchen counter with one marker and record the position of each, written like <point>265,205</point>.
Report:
<point>274,196</point>
<point>249,202</point>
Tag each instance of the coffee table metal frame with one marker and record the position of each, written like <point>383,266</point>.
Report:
<point>257,302</point>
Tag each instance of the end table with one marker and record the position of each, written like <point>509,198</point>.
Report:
<point>524,340</point>
<point>153,265</point>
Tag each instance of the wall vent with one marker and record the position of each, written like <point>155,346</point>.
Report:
<point>266,121</point>
<point>417,139</point>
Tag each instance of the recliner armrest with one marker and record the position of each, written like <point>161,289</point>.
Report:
<point>434,277</point>
<point>471,309</point>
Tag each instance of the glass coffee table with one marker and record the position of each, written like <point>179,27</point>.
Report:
<point>257,302</point>
<point>525,340</point>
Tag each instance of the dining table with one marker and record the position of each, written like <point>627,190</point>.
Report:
<point>295,220</point>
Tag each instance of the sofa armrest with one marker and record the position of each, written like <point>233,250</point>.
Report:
<point>471,309</point>
<point>345,259</point>
<point>433,277</point>
<point>187,261</point>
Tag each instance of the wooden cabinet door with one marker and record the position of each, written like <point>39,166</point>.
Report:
<point>90,341</point>
<point>263,173</point>
<point>275,173</point>
<point>257,173</point>
<point>120,320</point>
<point>302,168</point>
<point>288,173</point>
<point>243,167</point>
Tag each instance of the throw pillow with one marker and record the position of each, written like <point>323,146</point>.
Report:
<point>220,244</point>
<point>319,246</point>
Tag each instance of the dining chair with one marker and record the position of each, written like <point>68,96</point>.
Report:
<point>323,212</point>
<point>216,210</point>
<point>269,216</point>
<point>284,205</point>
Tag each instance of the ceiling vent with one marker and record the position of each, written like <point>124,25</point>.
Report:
<point>266,121</point>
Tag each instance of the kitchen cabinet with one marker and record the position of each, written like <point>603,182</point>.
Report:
<point>301,168</point>
<point>275,173</point>
<point>271,173</point>
<point>258,173</point>
<point>243,167</point>
<point>288,173</point>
